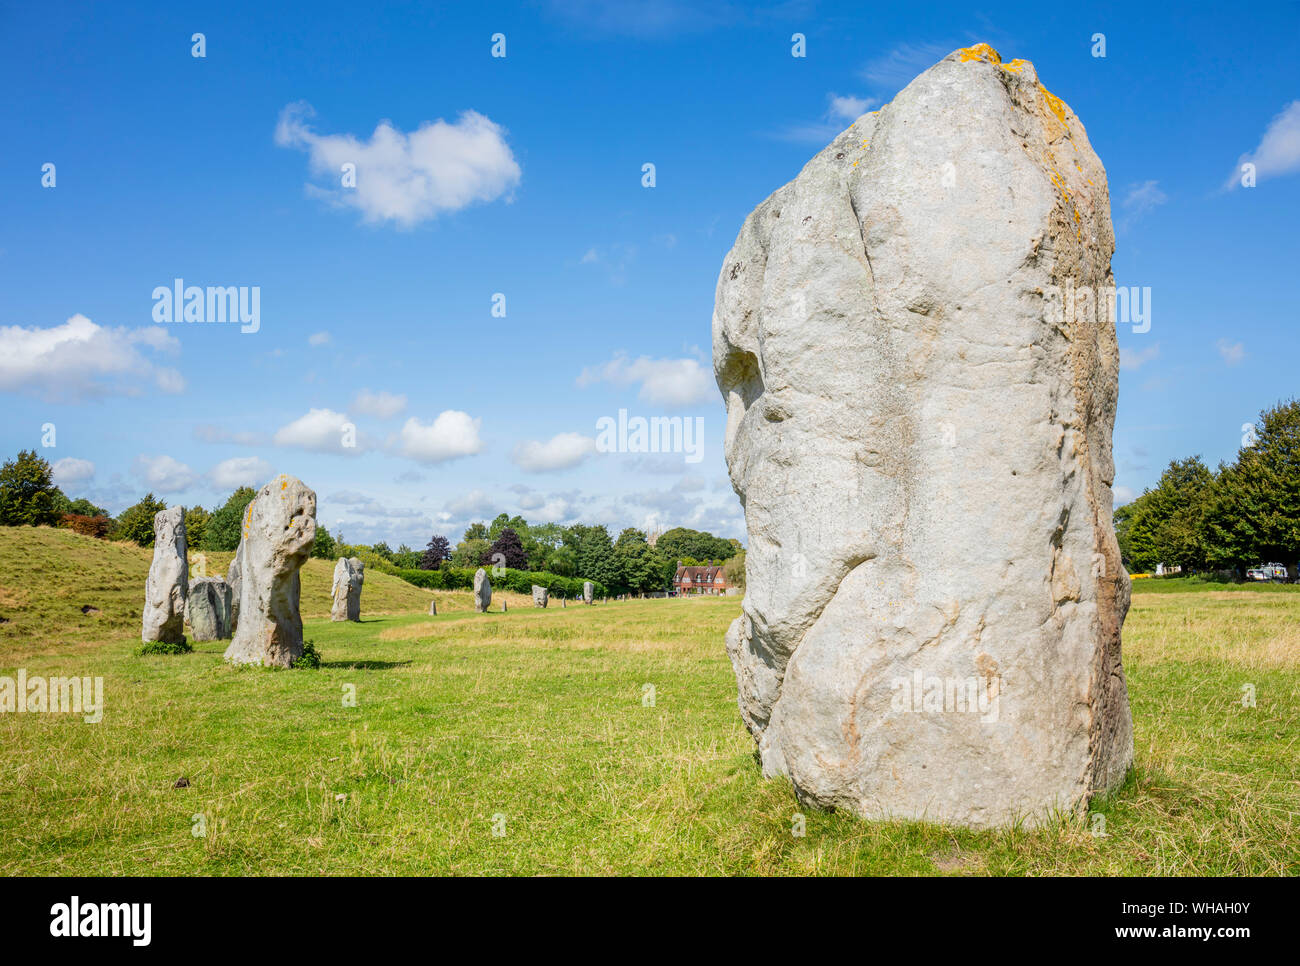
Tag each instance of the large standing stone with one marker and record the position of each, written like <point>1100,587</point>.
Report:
<point>540,596</point>
<point>349,575</point>
<point>588,592</point>
<point>207,609</point>
<point>279,527</point>
<point>921,439</point>
<point>482,591</point>
<point>232,578</point>
<point>167,585</point>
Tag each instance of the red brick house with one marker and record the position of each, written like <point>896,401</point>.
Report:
<point>699,580</point>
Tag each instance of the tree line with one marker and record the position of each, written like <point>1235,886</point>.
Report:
<point>626,564</point>
<point>1226,519</point>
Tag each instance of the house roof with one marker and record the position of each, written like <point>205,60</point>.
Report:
<point>697,574</point>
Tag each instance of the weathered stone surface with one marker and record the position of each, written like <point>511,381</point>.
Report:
<point>349,575</point>
<point>922,443</point>
<point>540,596</point>
<point>207,609</point>
<point>278,530</point>
<point>232,578</point>
<point>482,591</point>
<point>167,585</point>
<point>505,606</point>
<point>588,592</point>
<point>433,608</point>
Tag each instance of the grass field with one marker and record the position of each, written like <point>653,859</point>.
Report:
<point>532,724</point>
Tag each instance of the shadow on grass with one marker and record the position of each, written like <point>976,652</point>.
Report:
<point>364,665</point>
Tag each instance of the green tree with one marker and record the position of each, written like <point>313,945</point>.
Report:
<point>734,570</point>
<point>507,550</point>
<point>323,547</point>
<point>196,522</point>
<point>596,557</point>
<point>28,496</point>
<point>476,531</point>
<point>470,553</point>
<point>405,558</point>
<point>136,522</point>
<point>1254,516</point>
<point>226,526</point>
<point>562,561</point>
<point>436,553</point>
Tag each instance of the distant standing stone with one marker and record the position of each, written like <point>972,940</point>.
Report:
<point>482,591</point>
<point>167,586</point>
<point>207,609</point>
<point>504,607</point>
<point>433,608</point>
<point>349,575</point>
<point>279,529</point>
<point>540,596</point>
<point>588,592</point>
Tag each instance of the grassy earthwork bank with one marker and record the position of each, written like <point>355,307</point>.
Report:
<point>530,743</point>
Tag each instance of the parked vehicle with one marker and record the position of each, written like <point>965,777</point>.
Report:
<point>1269,571</point>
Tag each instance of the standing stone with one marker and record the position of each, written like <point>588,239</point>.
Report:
<point>167,585</point>
<point>482,591</point>
<point>540,596</point>
<point>588,592</point>
<point>232,578</point>
<point>278,530</point>
<point>349,575</point>
<point>504,606</point>
<point>433,608</point>
<point>564,602</point>
<point>207,609</point>
<point>921,439</point>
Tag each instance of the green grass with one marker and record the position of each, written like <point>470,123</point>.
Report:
<point>537,718</point>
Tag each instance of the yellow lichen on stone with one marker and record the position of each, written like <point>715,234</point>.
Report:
<point>1016,66</point>
<point>979,52</point>
<point>1055,105</point>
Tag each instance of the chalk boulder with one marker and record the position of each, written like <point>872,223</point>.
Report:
<point>208,608</point>
<point>349,575</point>
<point>278,530</point>
<point>920,401</point>
<point>167,585</point>
<point>482,591</point>
<point>540,596</point>
<point>588,592</point>
<point>433,608</point>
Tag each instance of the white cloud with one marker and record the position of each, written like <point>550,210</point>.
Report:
<point>451,435</point>
<point>848,107</point>
<point>897,68</point>
<point>164,474</point>
<point>1232,352</point>
<point>70,470</point>
<point>1278,151</point>
<point>664,382</point>
<point>408,178</point>
<point>382,404</point>
<point>560,452</point>
<point>240,471</point>
<point>318,338</point>
<point>80,358</point>
<point>1135,359</point>
<point>1122,494</point>
<point>1141,198</point>
<point>321,431</point>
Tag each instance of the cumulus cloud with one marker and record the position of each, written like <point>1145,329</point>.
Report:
<point>165,474</point>
<point>70,471</point>
<point>1232,352</point>
<point>560,452</point>
<point>664,382</point>
<point>382,404</point>
<point>321,431</point>
<point>81,359</point>
<point>240,471</point>
<point>407,178</point>
<point>841,110</point>
<point>1135,359</point>
<point>318,339</point>
<point>1278,151</point>
<point>451,435</point>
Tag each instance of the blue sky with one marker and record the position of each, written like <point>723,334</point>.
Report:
<point>523,176</point>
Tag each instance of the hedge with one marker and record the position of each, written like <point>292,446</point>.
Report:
<point>520,581</point>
